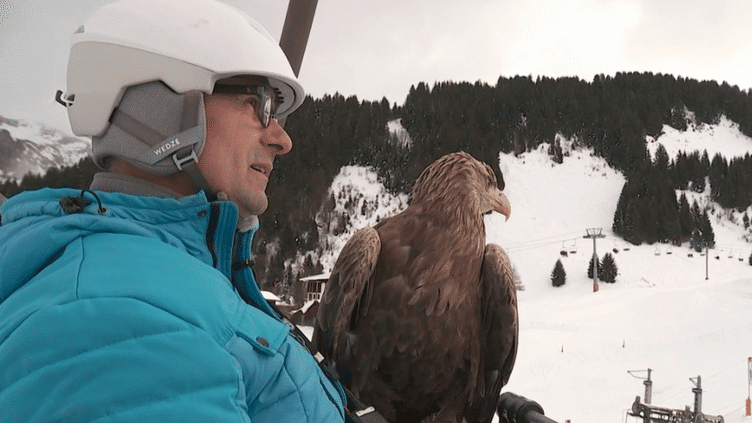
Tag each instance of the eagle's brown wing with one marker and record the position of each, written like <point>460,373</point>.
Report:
<point>347,293</point>
<point>501,329</point>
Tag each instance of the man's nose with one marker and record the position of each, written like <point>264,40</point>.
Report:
<point>275,137</point>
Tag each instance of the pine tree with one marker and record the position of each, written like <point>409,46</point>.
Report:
<point>661,159</point>
<point>686,221</point>
<point>608,270</point>
<point>590,267</point>
<point>555,152</point>
<point>696,241</point>
<point>558,275</point>
<point>706,231</point>
<point>696,214</point>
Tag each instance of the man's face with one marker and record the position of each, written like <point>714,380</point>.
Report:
<point>239,152</point>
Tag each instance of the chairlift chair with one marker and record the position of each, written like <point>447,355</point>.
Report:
<point>573,248</point>
<point>563,251</point>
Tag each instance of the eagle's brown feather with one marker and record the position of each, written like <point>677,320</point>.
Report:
<point>419,313</point>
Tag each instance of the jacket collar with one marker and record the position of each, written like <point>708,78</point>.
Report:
<point>118,182</point>
<point>127,184</point>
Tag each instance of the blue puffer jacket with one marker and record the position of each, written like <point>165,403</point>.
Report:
<point>130,316</point>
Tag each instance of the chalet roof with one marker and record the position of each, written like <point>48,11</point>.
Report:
<point>322,277</point>
<point>269,296</point>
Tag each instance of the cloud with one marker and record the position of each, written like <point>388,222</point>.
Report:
<point>695,39</point>
<point>567,38</point>
<point>377,48</point>
<point>381,48</point>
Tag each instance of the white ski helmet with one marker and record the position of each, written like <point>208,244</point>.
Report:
<point>148,61</point>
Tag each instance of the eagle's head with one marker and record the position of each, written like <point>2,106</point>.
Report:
<point>457,181</point>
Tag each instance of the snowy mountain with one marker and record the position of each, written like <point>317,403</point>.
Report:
<point>29,147</point>
<point>576,346</point>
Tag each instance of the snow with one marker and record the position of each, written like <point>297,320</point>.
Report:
<point>35,148</point>
<point>723,138</point>
<point>576,346</point>
<point>399,132</point>
<point>360,186</point>
<point>39,134</point>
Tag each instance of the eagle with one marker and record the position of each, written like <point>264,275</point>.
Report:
<point>419,315</point>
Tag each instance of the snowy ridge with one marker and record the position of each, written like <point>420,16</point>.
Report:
<point>360,201</point>
<point>33,148</point>
<point>576,346</point>
<point>357,200</point>
<point>723,138</point>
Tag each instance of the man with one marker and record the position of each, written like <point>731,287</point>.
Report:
<point>135,300</point>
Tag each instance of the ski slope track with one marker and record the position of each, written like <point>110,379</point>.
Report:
<point>576,346</point>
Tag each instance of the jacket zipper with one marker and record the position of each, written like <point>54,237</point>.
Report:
<point>211,232</point>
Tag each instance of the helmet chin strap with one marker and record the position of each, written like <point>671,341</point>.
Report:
<point>189,165</point>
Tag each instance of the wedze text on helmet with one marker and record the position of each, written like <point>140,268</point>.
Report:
<point>169,145</point>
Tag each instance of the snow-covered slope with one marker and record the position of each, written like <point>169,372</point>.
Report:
<point>576,346</point>
<point>724,138</point>
<point>662,313</point>
<point>360,201</point>
<point>32,148</point>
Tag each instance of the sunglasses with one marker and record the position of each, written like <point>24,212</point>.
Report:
<point>268,99</point>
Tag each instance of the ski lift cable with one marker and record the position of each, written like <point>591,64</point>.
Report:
<point>736,247</point>
<point>734,365</point>
<point>681,391</point>
<point>568,241</point>
<point>526,247</point>
<point>532,246</point>
<point>730,408</point>
<point>521,248</point>
<point>663,399</point>
<point>558,238</point>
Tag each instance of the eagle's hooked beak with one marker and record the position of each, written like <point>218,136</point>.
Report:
<point>501,205</point>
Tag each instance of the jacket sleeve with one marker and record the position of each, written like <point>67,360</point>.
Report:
<point>86,361</point>
<point>108,341</point>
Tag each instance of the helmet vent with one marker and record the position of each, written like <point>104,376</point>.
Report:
<point>279,98</point>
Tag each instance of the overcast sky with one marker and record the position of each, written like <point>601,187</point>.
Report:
<point>379,48</point>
